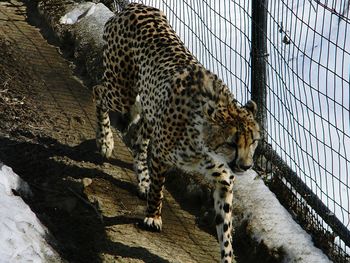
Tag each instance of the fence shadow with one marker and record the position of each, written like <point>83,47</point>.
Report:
<point>40,164</point>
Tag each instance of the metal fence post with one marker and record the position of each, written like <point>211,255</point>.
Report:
<point>259,55</point>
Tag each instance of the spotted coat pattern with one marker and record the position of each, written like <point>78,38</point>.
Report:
<point>187,115</point>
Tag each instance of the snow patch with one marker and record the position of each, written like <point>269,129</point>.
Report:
<point>80,11</point>
<point>94,21</point>
<point>268,221</point>
<point>22,236</point>
<point>11,181</point>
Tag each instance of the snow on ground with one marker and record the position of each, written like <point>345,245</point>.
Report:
<point>22,236</point>
<point>77,13</point>
<point>269,222</point>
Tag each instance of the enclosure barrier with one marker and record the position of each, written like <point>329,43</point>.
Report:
<point>293,59</point>
<point>285,180</point>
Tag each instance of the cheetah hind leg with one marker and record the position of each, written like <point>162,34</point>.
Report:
<point>135,112</point>
<point>104,135</point>
<point>141,169</point>
<point>131,133</point>
<point>140,148</point>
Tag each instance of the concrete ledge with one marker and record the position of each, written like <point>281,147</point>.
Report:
<point>273,234</point>
<point>267,222</point>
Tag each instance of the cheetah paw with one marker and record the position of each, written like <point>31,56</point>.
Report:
<point>153,223</point>
<point>106,151</point>
<point>106,148</point>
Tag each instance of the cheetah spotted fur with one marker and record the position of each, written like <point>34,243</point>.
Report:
<point>184,112</point>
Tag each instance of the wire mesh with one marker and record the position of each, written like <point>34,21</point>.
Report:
<point>308,98</point>
<point>217,33</point>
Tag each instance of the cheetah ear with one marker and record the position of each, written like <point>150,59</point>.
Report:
<point>251,106</point>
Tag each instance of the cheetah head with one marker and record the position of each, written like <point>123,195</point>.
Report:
<point>232,133</point>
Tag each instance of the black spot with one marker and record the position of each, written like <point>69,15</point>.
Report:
<point>225,227</point>
<point>224,182</point>
<point>226,243</point>
<point>215,174</point>
<point>126,22</point>
<point>210,166</point>
<point>108,74</point>
<point>189,78</point>
<point>219,220</point>
<point>210,110</point>
<point>222,253</point>
<point>226,208</point>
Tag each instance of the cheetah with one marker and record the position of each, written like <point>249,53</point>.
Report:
<point>183,111</point>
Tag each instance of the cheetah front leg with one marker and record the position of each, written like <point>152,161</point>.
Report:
<point>223,207</point>
<point>153,219</point>
<point>223,179</point>
<point>104,135</point>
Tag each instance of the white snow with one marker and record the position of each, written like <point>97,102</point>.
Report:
<point>22,236</point>
<point>78,12</point>
<point>89,28</point>
<point>269,222</point>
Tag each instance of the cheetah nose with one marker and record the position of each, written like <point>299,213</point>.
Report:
<point>245,167</point>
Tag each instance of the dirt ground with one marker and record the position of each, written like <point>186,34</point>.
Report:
<point>89,205</point>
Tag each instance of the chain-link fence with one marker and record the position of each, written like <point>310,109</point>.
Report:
<point>294,58</point>
<point>308,119</point>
